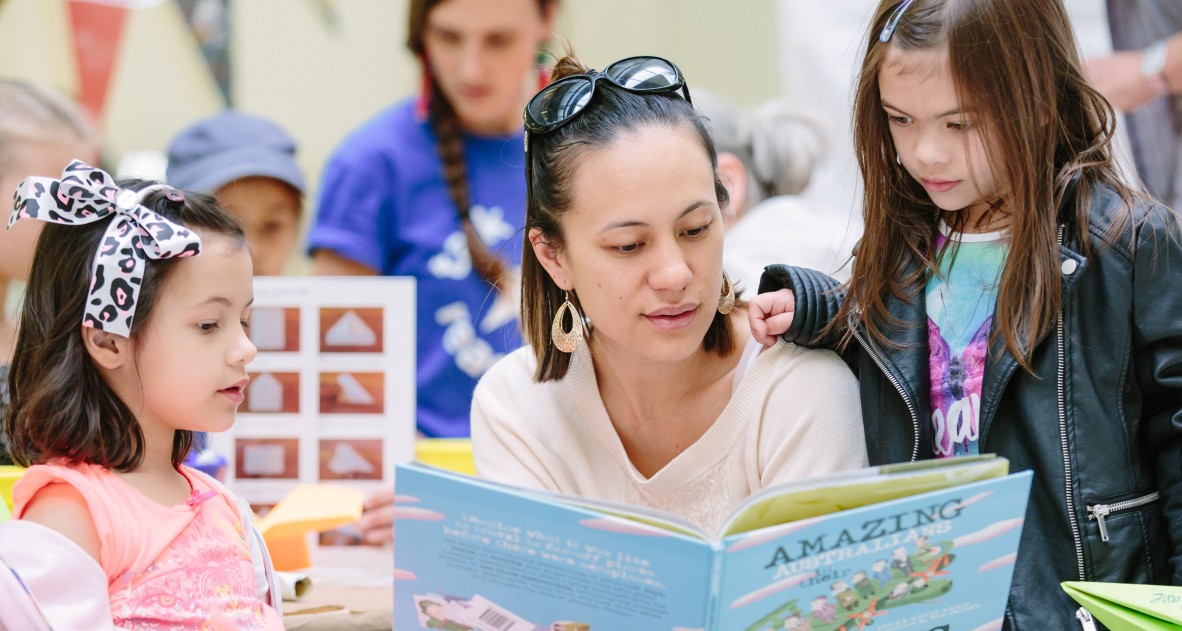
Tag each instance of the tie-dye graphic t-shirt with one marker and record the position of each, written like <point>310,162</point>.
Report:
<point>960,302</point>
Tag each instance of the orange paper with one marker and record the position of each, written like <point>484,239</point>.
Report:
<point>307,508</point>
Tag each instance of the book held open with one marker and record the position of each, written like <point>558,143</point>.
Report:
<point>927,545</point>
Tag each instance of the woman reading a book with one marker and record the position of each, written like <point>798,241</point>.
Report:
<point>641,383</point>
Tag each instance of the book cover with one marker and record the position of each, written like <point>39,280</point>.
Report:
<point>920,546</point>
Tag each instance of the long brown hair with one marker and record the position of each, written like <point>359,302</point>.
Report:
<point>61,407</point>
<point>1016,63</point>
<point>551,163</point>
<point>449,136</point>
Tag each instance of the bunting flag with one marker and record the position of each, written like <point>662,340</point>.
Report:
<point>98,33</point>
<point>210,22</point>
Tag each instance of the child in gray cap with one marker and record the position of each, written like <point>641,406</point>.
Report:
<point>248,162</point>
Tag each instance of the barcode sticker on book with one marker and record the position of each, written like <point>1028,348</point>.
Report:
<point>492,617</point>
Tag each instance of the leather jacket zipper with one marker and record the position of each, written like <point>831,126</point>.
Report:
<point>1085,619</point>
<point>898,387</point>
<point>1067,474</point>
<point>1099,512</point>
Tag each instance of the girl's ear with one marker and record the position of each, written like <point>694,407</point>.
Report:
<point>550,259</point>
<point>108,350</point>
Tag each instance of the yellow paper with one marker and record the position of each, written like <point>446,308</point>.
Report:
<point>307,508</point>
<point>1130,607</point>
<point>312,508</point>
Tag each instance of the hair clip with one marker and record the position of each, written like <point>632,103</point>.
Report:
<point>174,194</point>
<point>893,21</point>
<point>84,195</point>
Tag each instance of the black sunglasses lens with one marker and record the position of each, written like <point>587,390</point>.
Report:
<point>642,74</point>
<point>559,101</point>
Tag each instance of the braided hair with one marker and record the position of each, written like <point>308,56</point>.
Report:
<point>449,136</point>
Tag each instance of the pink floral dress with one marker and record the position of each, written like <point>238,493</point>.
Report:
<point>168,567</point>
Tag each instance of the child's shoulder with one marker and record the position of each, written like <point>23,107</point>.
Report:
<point>69,499</point>
<point>1142,213</point>
<point>86,478</point>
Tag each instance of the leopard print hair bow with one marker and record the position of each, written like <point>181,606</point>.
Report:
<point>85,194</point>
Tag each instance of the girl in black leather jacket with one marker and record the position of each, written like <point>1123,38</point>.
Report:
<point>1010,293</point>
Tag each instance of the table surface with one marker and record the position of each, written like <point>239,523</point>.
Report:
<point>352,589</point>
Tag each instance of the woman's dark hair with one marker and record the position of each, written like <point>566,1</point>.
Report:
<point>551,163</point>
<point>449,137</point>
<point>61,407</point>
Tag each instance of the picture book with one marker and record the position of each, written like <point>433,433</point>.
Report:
<point>924,546</point>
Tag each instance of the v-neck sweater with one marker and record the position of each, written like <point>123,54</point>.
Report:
<point>794,413</point>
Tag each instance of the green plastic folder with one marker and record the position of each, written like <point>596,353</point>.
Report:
<point>1126,607</point>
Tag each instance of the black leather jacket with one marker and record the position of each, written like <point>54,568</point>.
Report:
<point>1099,422</point>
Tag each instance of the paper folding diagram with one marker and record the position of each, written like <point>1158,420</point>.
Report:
<point>268,330</point>
<point>264,460</point>
<point>1128,607</point>
<point>347,460</point>
<point>352,392</point>
<point>350,330</point>
<point>266,394</point>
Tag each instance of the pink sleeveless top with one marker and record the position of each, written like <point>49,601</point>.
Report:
<point>167,567</point>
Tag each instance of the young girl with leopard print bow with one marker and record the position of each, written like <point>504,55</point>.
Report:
<point>133,335</point>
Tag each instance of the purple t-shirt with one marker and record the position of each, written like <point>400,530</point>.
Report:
<point>383,203</point>
<point>960,305</point>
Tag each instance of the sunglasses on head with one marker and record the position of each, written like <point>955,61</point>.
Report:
<point>558,103</point>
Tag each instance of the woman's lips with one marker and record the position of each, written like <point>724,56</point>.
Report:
<point>673,318</point>
<point>474,94</point>
<point>939,186</point>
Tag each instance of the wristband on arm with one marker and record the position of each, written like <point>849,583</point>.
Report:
<point>1153,66</point>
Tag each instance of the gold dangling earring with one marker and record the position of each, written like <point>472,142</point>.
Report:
<point>567,341</point>
<point>726,301</point>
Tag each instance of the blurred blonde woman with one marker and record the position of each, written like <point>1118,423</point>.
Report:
<point>40,132</point>
<point>766,159</point>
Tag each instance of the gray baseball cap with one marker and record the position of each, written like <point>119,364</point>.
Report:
<point>229,146</point>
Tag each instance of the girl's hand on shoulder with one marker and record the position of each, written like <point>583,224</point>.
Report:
<point>771,314</point>
<point>61,507</point>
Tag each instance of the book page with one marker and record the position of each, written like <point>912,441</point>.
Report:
<point>938,560</point>
<point>491,558</point>
<point>850,489</point>
<point>639,514</point>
